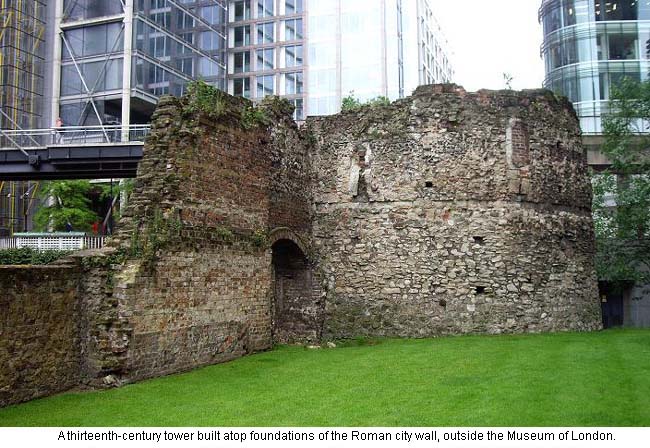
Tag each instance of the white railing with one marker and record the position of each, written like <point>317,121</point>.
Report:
<point>72,135</point>
<point>53,241</point>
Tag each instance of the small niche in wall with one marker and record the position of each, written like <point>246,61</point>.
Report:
<point>479,240</point>
<point>480,290</point>
<point>443,303</point>
<point>428,184</point>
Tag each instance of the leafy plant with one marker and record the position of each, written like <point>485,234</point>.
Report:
<point>202,97</point>
<point>507,80</point>
<point>25,256</point>
<point>351,103</point>
<point>259,238</point>
<point>66,204</point>
<point>252,117</point>
<point>621,204</point>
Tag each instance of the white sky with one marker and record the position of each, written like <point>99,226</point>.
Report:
<point>490,37</point>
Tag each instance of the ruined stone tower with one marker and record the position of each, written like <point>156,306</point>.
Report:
<point>452,212</point>
<point>443,213</point>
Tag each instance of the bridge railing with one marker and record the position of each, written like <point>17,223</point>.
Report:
<point>72,135</point>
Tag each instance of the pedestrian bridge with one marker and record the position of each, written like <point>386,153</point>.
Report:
<point>71,152</point>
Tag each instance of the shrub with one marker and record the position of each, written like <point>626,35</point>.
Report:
<point>26,255</point>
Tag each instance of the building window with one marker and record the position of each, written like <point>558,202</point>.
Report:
<point>210,41</point>
<point>93,40</point>
<point>265,33</point>
<point>264,86</point>
<point>242,36</point>
<point>293,56</point>
<point>208,68</point>
<point>242,62</point>
<point>298,113</point>
<point>293,29</point>
<point>161,19</point>
<point>265,59</point>
<point>158,46</point>
<point>186,66</point>
<point>242,11</point>
<point>187,37</point>
<point>293,83</point>
<point>184,21</point>
<point>623,46</point>
<point>265,8</point>
<point>293,6</point>
<point>214,15</point>
<point>158,4</point>
<point>242,87</point>
<point>622,10</point>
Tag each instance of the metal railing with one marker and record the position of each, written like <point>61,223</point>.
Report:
<point>72,135</point>
<point>54,241</point>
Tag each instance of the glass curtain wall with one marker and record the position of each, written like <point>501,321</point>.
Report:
<point>173,42</point>
<point>371,49</point>
<point>266,50</point>
<point>177,41</point>
<point>590,46</point>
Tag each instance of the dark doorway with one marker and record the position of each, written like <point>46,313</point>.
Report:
<point>295,305</point>
<point>611,300</point>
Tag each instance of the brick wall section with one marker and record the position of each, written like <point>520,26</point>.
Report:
<point>205,296</point>
<point>450,212</point>
<point>199,306</point>
<point>39,334</point>
<point>290,189</point>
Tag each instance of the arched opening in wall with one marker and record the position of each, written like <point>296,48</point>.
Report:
<point>296,306</point>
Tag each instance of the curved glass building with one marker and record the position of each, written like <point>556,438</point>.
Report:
<point>589,46</point>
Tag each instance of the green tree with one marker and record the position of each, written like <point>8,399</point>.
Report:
<point>65,202</point>
<point>352,103</point>
<point>622,193</point>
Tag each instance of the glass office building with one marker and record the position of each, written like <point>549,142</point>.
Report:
<point>316,52</point>
<point>22,55</point>
<point>266,50</point>
<point>114,58</point>
<point>589,46</point>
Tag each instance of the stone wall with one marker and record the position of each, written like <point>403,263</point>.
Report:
<point>39,333</point>
<point>450,212</point>
<point>195,288</point>
<point>443,213</point>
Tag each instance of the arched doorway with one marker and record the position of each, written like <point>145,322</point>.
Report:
<point>296,307</point>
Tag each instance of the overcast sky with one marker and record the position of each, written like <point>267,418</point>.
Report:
<point>490,37</point>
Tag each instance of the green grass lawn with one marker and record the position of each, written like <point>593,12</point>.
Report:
<point>591,379</point>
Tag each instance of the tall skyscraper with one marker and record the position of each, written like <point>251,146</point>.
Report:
<point>589,46</point>
<point>316,52</point>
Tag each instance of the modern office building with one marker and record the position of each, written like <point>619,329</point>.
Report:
<point>107,61</point>
<point>589,46</point>
<point>22,51</point>
<point>112,59</point>
<point>316,52</point>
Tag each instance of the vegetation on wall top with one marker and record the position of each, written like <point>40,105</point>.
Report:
<point>27,256</point>
<point>351,103</point>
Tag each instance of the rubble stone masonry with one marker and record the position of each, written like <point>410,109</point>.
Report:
<point>450,212</point>
<point>443,213</point>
